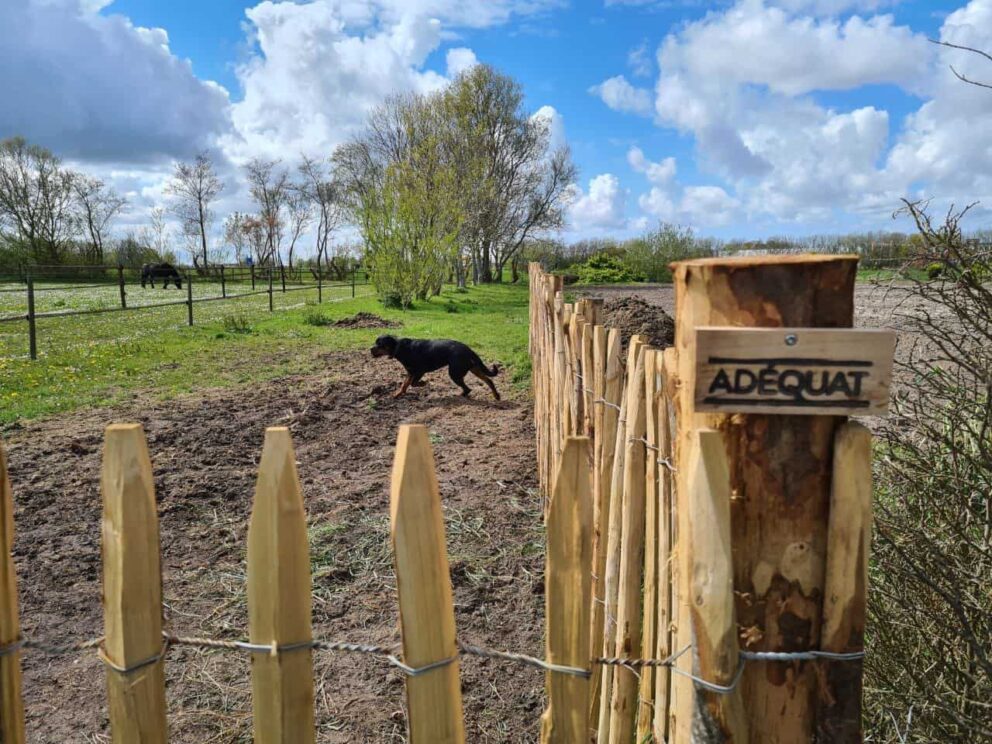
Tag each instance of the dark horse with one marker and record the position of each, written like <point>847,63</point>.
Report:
<point>166,271</point>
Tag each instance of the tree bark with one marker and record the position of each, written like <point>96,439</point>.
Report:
<point>780,475</point>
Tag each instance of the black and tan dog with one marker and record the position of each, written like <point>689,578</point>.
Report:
<point>420,356</point>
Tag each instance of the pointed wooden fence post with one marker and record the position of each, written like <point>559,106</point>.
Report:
<point>11,704</point>
<point>132,590</point>
<point>666,536</point>
<point>423,580</point>
<point>845,589</point>
<point>649,625</point>
<point>628,634</point>
<point>567,597</point>
<point>279,599</point>
<point>718,718</point>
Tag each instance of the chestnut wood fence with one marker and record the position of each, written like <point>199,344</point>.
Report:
<point>734,546</point>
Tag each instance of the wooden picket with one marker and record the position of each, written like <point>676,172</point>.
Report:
<point>427,614</point>
<point>279,599</point>
<point>132,590</point>
<point>567,596</point>
<point>11,706</point>
<point>669,576</point>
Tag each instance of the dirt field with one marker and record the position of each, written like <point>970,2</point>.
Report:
<point>204,452</point>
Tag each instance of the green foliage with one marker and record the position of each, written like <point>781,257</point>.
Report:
<point>313,315</point>
<point>650,255</point>
<point>603,268</point>
<point>934,270</point>
<point>238,322</point>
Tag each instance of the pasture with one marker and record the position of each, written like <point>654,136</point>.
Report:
<point>98,360</point>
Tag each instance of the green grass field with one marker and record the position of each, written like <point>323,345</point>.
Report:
<point>103,359</point>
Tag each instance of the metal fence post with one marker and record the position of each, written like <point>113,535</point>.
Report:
<point>32,331</point>
<point>252,267</point>
<point>120,283</point>
<point>223,284</point>
<point>189,298</point>
<point>282,273</point>
<point>354,271</point>
<point>270,290</point>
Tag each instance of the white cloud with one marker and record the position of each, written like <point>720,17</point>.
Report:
<point>741,83</point>
<point>602,207</point>
<point>833,7</point>
<point>658,173</point>
<point>556,126</point>
<point>460,59</point>
<point>97,87</point>
<point>639,60</point>
<point>943,144</point>
<point>620,95</point>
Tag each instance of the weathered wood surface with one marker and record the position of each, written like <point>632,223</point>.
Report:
<point>567,596</point>
<point>623,707</point>
<point>132,589</point>
<point>846,585</point>
<point>11,704</point>
<point>717,717</point>
<point>423,580</point>
<point>279,598</point>
<point>780,471</point>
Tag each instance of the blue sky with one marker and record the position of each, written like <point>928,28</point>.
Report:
<point>742,119</point>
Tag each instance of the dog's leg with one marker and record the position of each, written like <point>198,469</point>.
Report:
<point>404,386</point>
<point>458,377</point>
<point>418,382</point>
<point>481,374</point>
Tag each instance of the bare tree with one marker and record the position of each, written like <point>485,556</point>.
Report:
<point>972,50</point>
<point>269,186</point>
<point>514,183</point>
<point>324,194</point>
<point>299,215</point>
<point>156,234</point>
<point>97,204</point>
<point>236,234</point>
<point>193,188</point>
<point>36,199</point>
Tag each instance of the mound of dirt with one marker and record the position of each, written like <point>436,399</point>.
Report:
<point>366,320</point>
<point>632,315</point>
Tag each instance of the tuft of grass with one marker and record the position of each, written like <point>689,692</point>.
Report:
<point>315,316</point>
<point>238,322</point>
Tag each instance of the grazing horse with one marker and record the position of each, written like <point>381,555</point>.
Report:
<point>166,271</point>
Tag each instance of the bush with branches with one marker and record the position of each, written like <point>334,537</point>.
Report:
<point>929,666</point>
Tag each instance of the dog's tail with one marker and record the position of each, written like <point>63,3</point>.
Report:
<point>491,371</point>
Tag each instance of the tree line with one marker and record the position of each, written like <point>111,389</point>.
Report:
<point>445,186</point>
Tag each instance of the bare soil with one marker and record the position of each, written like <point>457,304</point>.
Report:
<point>205,450</point>
<point>366,320</point>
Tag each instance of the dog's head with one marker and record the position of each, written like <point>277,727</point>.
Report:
<point>384,346</point>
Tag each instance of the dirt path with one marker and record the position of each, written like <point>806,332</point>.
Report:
<point>205,450</point>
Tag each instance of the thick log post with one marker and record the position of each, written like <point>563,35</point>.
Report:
<point>780,477</point>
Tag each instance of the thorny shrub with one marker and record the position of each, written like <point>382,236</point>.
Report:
<point>929,661</point>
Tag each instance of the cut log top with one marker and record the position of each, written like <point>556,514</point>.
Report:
<point>770,259</point>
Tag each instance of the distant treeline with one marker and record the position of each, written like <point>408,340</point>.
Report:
<point>647,257</point>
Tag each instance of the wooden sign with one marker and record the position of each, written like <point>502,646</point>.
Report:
<point>824,371</point>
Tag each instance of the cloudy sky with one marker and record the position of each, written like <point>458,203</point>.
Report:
<point>745,118</point>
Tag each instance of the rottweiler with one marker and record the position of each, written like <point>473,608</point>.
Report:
<point>420,356</point>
